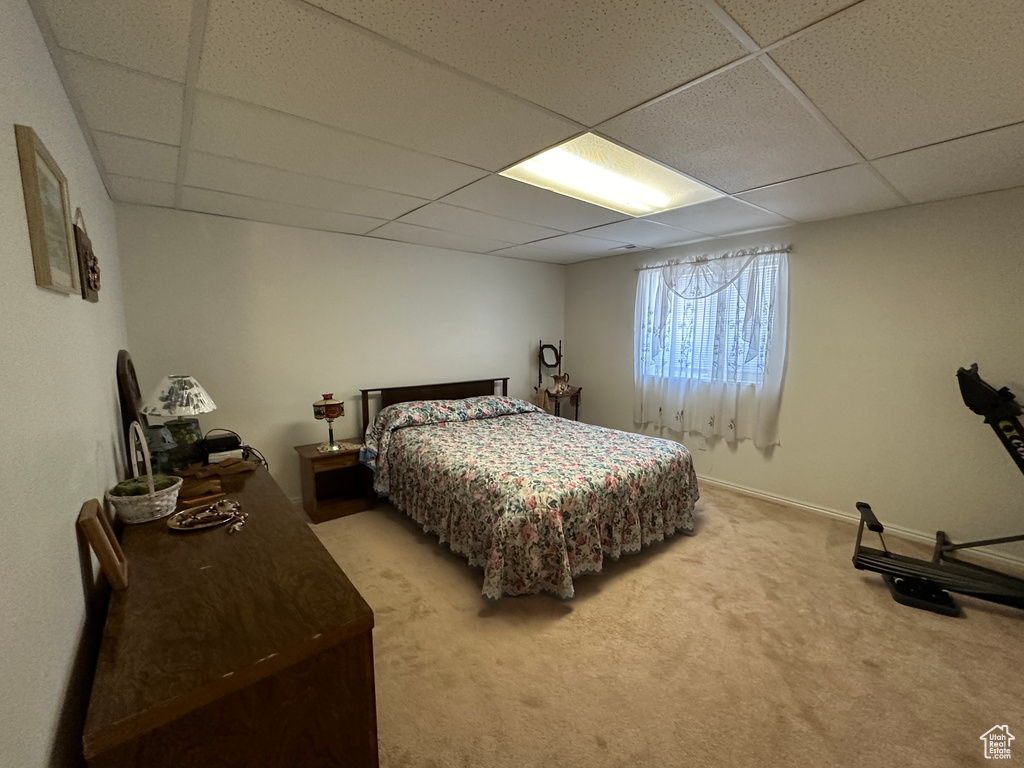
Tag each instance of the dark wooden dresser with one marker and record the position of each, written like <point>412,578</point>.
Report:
<point>234,649</point>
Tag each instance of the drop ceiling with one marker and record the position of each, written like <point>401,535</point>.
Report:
<point>392,118</point>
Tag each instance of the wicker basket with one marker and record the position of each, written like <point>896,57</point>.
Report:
<point>153,505</point>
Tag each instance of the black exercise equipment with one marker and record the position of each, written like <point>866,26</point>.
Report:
<point>926,584</point>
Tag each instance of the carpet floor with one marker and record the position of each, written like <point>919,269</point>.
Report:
<point>753,643</point>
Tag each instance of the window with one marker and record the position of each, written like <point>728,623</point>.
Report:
<point>710,344</point>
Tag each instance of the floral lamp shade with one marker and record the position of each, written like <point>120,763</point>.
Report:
<point>178,395</point>
<point>179,399</point>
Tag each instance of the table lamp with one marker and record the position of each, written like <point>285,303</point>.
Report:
<point>329,409</point>
<point>178,396</point>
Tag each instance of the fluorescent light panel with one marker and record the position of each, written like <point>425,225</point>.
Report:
<point>597,171</point>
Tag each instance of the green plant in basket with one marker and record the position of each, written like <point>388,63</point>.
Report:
<point>139,486</point>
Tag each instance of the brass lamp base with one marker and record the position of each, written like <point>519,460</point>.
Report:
<point>330,446</point>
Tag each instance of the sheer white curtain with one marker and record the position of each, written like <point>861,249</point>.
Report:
<point>710,345</point>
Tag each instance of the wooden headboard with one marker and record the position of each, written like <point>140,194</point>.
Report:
<point>454,390</point>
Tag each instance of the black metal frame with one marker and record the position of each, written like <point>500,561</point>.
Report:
<point>927,584</point>
<point>541,365</point>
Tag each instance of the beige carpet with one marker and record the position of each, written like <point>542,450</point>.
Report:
<point>753,643</point>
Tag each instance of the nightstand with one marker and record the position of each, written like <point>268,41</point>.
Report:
<point>334,484</point>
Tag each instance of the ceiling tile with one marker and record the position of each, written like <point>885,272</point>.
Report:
<point>644,232</point>
<point>437,238</point>
<point>317,66</point>
<point>229,175</point>
<point>981,163</point>
<point>535,253</point>
<point>126,102</point>
<point>620,53</point>
<point>579,245</point>
<point>721,217</point>
<point>253,209</point>
<point>842,192</point>
<point>124,189</point>
<point>150,36</point>
<point>524,202</point>
<point>566,249</point>
<point>768,22</point>
<point>897,74</point>
<point>735,131</point>
<point>125,156</point>
<point>227,127</point>
<point>450,217</point>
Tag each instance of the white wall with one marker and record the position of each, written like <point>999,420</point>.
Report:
<point>268,318</point>
<point>59,416</point>
<point>884,308</point>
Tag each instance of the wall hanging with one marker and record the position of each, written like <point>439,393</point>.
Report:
<point>48,209</point>
<point>88,264</point>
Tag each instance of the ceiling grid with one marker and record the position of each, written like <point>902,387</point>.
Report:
<point>392,118</point>
<point>200,10</point>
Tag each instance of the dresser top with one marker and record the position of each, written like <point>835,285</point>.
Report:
<point>209,612</point>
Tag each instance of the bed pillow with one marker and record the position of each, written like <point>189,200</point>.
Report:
<point>422,412</point>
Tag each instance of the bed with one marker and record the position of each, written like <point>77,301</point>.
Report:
<point>533,499</point>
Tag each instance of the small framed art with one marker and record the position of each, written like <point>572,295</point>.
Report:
<point>48,208</point>
<point>88,264</point>
<point>93,522</point>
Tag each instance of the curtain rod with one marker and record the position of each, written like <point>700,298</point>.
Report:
<point>762,251</point>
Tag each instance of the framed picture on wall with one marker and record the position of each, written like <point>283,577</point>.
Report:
<point>48,208</point>
<point>88,264</point>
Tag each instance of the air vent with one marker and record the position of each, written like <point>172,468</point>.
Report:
<point>631,247</point>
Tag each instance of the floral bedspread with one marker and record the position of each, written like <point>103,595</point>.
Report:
<point>532,499</point>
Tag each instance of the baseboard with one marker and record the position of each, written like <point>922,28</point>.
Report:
<point>895,530</point>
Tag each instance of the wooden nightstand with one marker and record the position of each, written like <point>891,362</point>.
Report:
<point>334,484</point>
